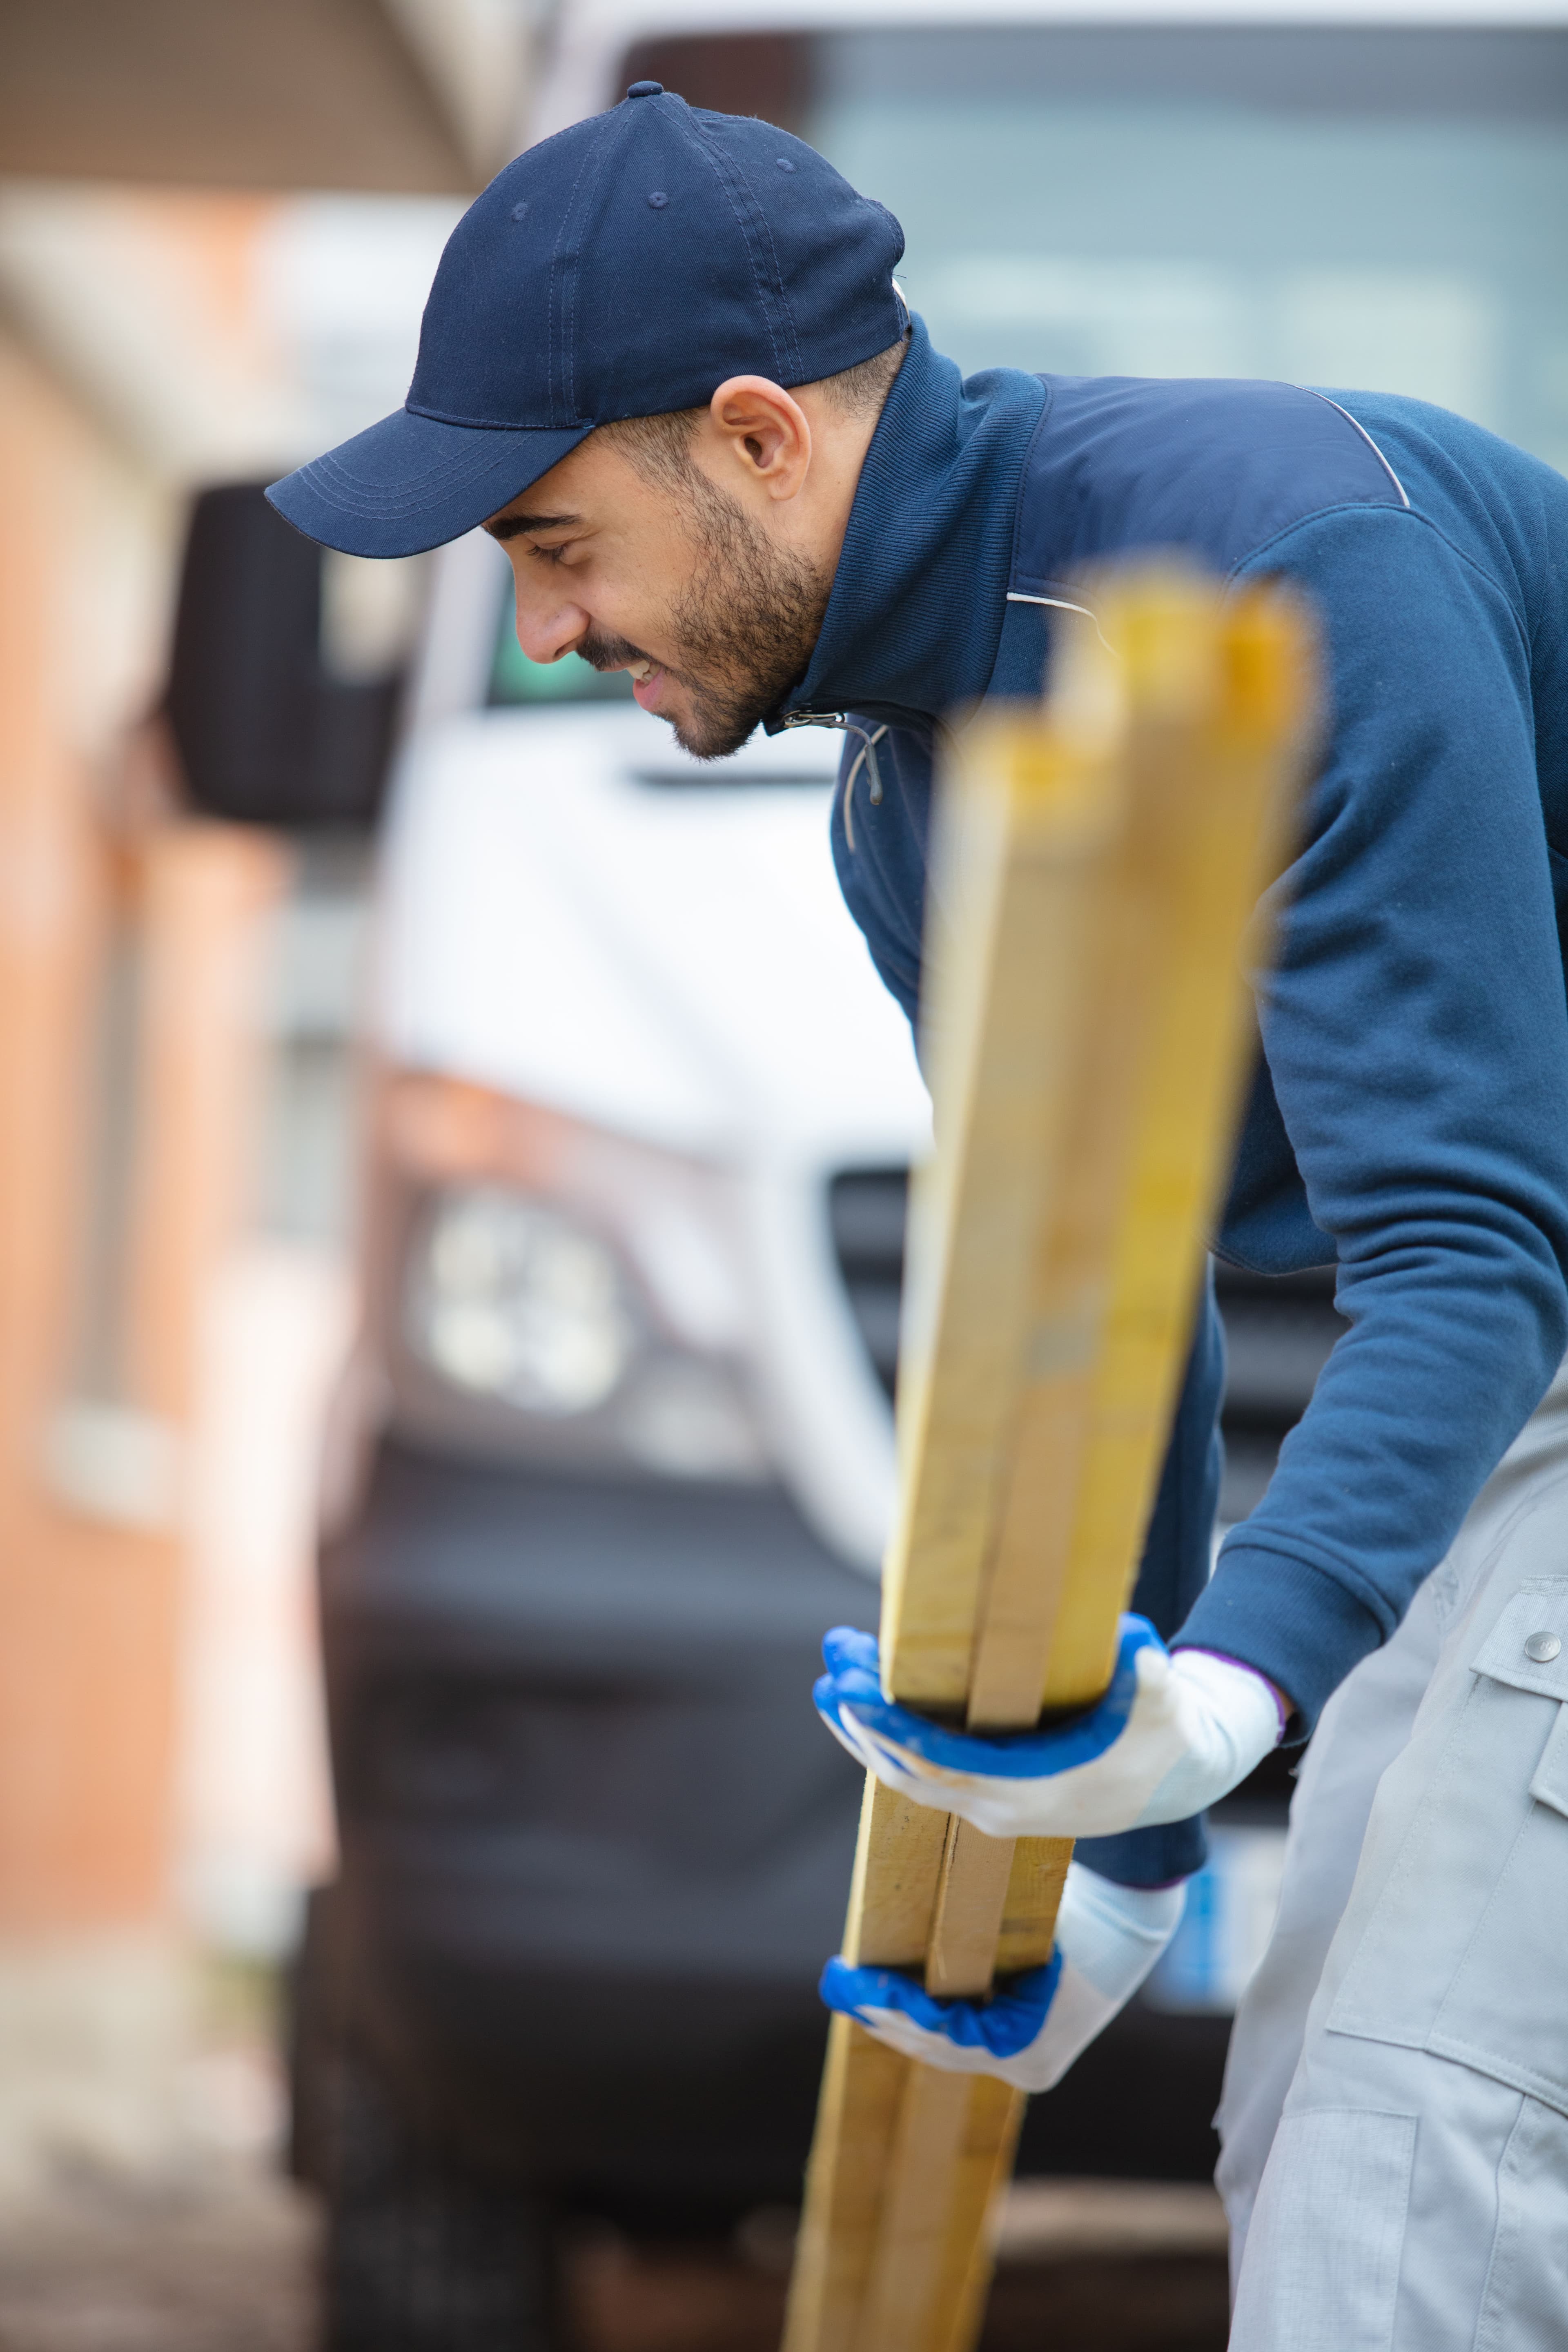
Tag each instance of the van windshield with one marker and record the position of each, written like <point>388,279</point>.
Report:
<point>1378,207</point>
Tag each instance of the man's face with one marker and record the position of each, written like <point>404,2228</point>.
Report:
<point>672,578</point>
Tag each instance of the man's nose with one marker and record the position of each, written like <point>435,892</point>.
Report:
<point>549,626</point>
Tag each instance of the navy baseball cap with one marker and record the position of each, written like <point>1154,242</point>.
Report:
<point>622,268</point>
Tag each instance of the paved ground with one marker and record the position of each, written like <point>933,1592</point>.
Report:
<point>220,2268</point>
<point>227,2266</point>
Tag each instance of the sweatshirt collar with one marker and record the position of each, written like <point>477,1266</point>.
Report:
<point>919,593</point>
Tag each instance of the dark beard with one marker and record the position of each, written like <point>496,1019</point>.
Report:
<point>745,623</point>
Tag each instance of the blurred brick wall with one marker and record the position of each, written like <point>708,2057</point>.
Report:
<point>85,1613</point>
<point>90,1574</point>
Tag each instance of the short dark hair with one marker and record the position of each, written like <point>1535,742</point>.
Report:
<point>661,446</point>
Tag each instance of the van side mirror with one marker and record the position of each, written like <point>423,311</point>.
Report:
<point>281,700</point>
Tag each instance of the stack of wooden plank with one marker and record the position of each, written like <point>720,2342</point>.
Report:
<point>1087,1027</point>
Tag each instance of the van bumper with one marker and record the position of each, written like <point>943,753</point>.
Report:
<point>596,1845</point>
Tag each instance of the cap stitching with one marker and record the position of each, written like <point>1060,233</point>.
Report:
<point>594,155</point>
<point>404,503</point>
<point>712,155</point>
<point>458,468</point>
<point>729,166</point>
<point>765,226</point>
<point>555,266</point>
<point>445,474</point>
<point>496,424</point>
<point>616,129</point>
<point>783,298</point>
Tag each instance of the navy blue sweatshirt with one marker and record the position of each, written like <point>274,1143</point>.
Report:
<point>1408,1118</point>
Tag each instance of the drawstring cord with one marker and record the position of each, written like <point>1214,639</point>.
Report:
<point>866,757</point>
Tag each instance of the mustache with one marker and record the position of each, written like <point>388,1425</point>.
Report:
<point>602,652</point>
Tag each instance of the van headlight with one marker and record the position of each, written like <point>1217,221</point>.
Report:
<point>512,1299</point>
<point>549,1292</point>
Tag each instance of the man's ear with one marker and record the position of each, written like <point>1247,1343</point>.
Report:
<point>757,427</point>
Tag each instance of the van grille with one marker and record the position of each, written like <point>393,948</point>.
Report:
<point>867,1208</point>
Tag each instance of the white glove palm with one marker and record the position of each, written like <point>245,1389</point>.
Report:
<point>1172,1735</point>
<point>1028,2034</point>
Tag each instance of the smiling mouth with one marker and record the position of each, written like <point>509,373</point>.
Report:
<point>646,673</point>
<point>648,678</point>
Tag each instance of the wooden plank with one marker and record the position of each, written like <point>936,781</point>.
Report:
<point>862,2088</point>
<point>972,1895</point>
<point>1098,873</point>
<point>892,1902</point>
<point>910,2247</point>
<point>1030,822</point>
<point>1034,1891</point>
<point>996,2118</point>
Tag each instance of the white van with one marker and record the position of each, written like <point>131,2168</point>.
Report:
<point>643,1120</point>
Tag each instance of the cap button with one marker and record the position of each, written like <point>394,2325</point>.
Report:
<point>645,89</point>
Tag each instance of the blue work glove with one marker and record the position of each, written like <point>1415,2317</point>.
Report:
<point>1031,2030</point>
<point>1172,1735</point>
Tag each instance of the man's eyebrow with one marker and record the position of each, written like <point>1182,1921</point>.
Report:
<point>512,525</point>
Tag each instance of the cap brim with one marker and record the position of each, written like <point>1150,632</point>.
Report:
<point>409,483</point>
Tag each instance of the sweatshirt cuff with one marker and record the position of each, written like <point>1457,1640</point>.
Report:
<point>1285,1618</point>
<point>1151,1857</point>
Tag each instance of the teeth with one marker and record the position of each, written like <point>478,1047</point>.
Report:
<point>642,671</point>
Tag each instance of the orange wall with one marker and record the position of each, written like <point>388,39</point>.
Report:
<point>82,1622</point>
<point>89,1611</point>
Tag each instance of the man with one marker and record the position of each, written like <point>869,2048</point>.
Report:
<point>665,363</point>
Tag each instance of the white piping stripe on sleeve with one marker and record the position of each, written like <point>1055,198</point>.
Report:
<point>1365,435</point>
<point>1016,596</point>
<point>1063,604</point>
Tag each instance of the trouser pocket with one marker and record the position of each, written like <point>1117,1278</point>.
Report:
<point>1466,1951</point>
<point>1321,2270</point>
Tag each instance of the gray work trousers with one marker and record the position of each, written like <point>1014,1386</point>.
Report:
<point>1394,2123</point>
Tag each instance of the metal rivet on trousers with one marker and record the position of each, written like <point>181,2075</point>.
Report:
<point>1542,1648</point>
<point>658,200</point>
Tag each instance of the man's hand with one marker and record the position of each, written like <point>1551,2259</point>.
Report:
<point>1172,1735</point>
<point>1031,2030</point>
